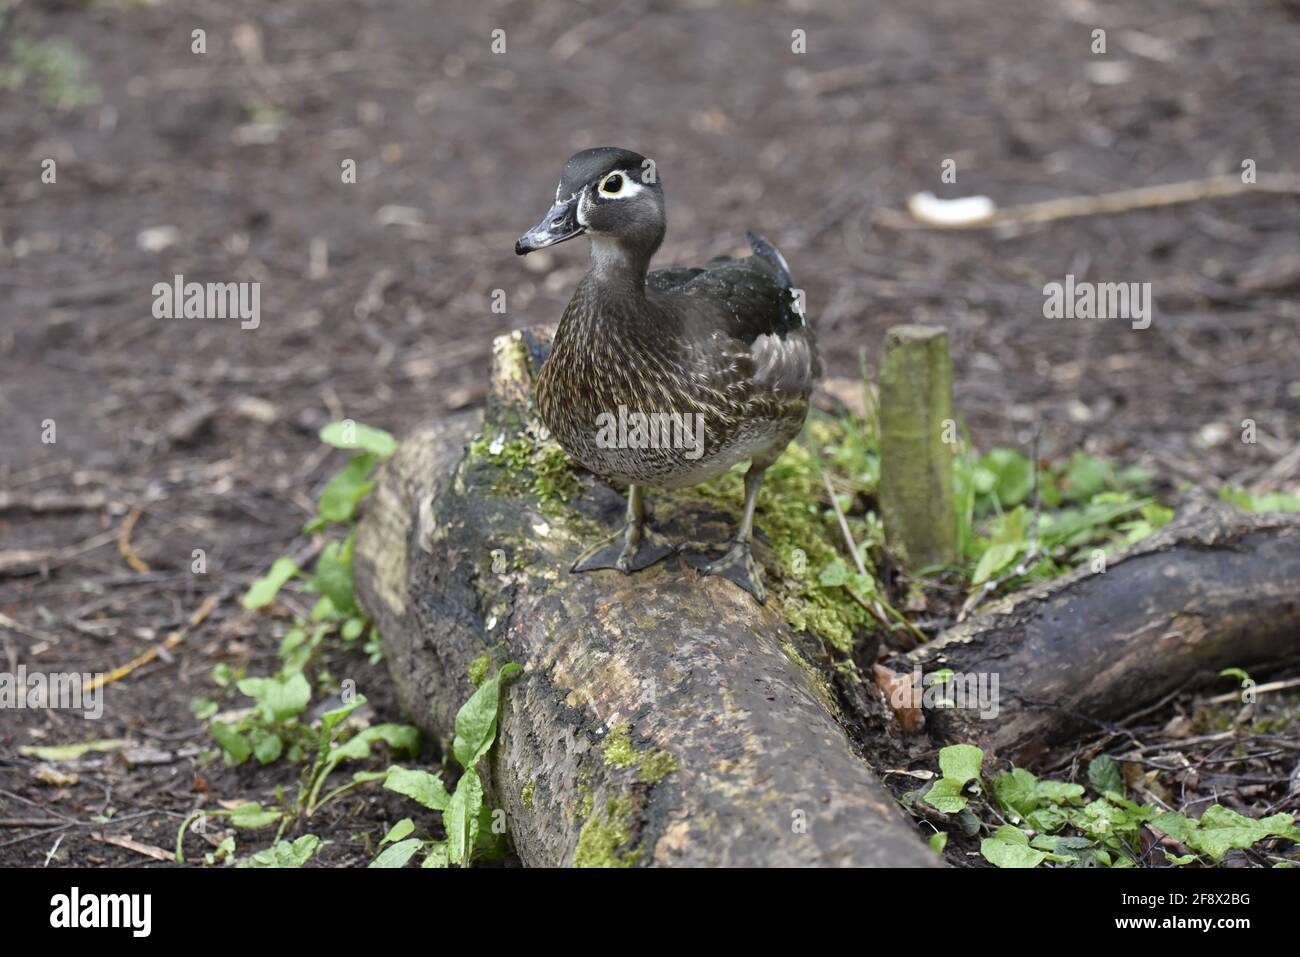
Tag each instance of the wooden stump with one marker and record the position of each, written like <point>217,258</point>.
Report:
<point>916,498</point>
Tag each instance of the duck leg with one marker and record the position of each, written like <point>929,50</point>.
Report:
<point>738,564</point>
<point>631,548</point>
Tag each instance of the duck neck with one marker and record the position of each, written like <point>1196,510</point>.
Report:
<point>617,268</point>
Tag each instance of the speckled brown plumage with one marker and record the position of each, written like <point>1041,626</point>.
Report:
<point>723,342</point>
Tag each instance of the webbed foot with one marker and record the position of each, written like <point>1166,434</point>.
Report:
<point>630,549</point>
<point>738,566</point>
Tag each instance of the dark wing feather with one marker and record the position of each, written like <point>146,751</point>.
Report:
<point>742,312</point>
<point>665,280</point>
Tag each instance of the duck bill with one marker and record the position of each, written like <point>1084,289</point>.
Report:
<point>559,224</point>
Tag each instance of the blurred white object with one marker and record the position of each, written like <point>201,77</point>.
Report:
<point>967,211</point>
<point>157,238</point>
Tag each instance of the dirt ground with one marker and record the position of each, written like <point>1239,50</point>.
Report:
<point>376,296</point>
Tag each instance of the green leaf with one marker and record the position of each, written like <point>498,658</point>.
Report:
<point>284,854</point>
<point>1058,792</point>
<point>489,845</point>
<point>437,855</point>
<point>1047,819</point>
<point>252,816</point>
<point>1272,502</point>
<point>421,786</point>
<point>961,762</point>
<point>235,746</point>
<point>1086,475</point>
<point>945,795</point>
<point>1009,847</point>
<point>341,494</point>
<point>347,434</point>
<point>1018,791</point>
<point>997,557</point>
<point>335,716</point>
<point>332,718</point>
<point>278,699</point>
<point>476,721</point>
<point>352,629</point>
<point>398,854</point>
<point>267,745</point>
<point>1112,820</point>
<point>938,841</point>
<point>1012,475</point>
<point>1237,673</point>
<point>399,737</point>
<point>461,818</point>
<point>834,574</point>
<point>203,708</point>
<point>333,577</point>
<point>1104,775</point>
<point>398,831</point>
<point>1221,829</point>
<point>324,610</point>
<point>864,586</point>
<point>1158,515</point>
<point>263,591</point>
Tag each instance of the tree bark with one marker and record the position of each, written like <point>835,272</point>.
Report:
<point>662,718</point>
<point>1216,588</point>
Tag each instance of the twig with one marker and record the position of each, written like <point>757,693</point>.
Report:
<point>1258,689</point>
<point>877,610</point>
<point>124,543</point>
<point>1121,201</point>
<point>148,850</point>
<point>174,639</point>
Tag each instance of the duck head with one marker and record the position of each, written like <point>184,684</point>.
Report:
<point>612,195</point>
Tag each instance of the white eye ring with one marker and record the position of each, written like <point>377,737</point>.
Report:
<point>628,186</point>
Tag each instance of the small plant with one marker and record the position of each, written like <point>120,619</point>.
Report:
<point>469,822</point>
<point>1084,505</point>
<point>1052,822</point>
<point>1263,502</point>
<point>53,69</point>
<point>331,579</point>
<point>280,706</point>
<point>275,726</point>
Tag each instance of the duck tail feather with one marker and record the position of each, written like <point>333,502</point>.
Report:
<point>765,250</point>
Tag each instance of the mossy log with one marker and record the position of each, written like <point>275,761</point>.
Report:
<point>1216,588</point>
<point>662,718</point>
<point>665,719</point>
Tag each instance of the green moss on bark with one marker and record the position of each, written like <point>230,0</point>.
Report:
<point>478,668</point>
<point>606,837</point>
<point>652,764</point>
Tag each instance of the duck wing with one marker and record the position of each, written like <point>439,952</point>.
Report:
<point>743,321</point>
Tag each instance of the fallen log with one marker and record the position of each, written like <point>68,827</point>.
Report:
<point>667,719</point>
<point>1216,588</point>
<point>662,718</point>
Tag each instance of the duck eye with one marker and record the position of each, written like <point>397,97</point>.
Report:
<point>613,183</point>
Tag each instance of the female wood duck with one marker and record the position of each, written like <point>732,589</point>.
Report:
<point>667,378</point>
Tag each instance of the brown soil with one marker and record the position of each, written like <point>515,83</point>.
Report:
<point>208,431</point>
